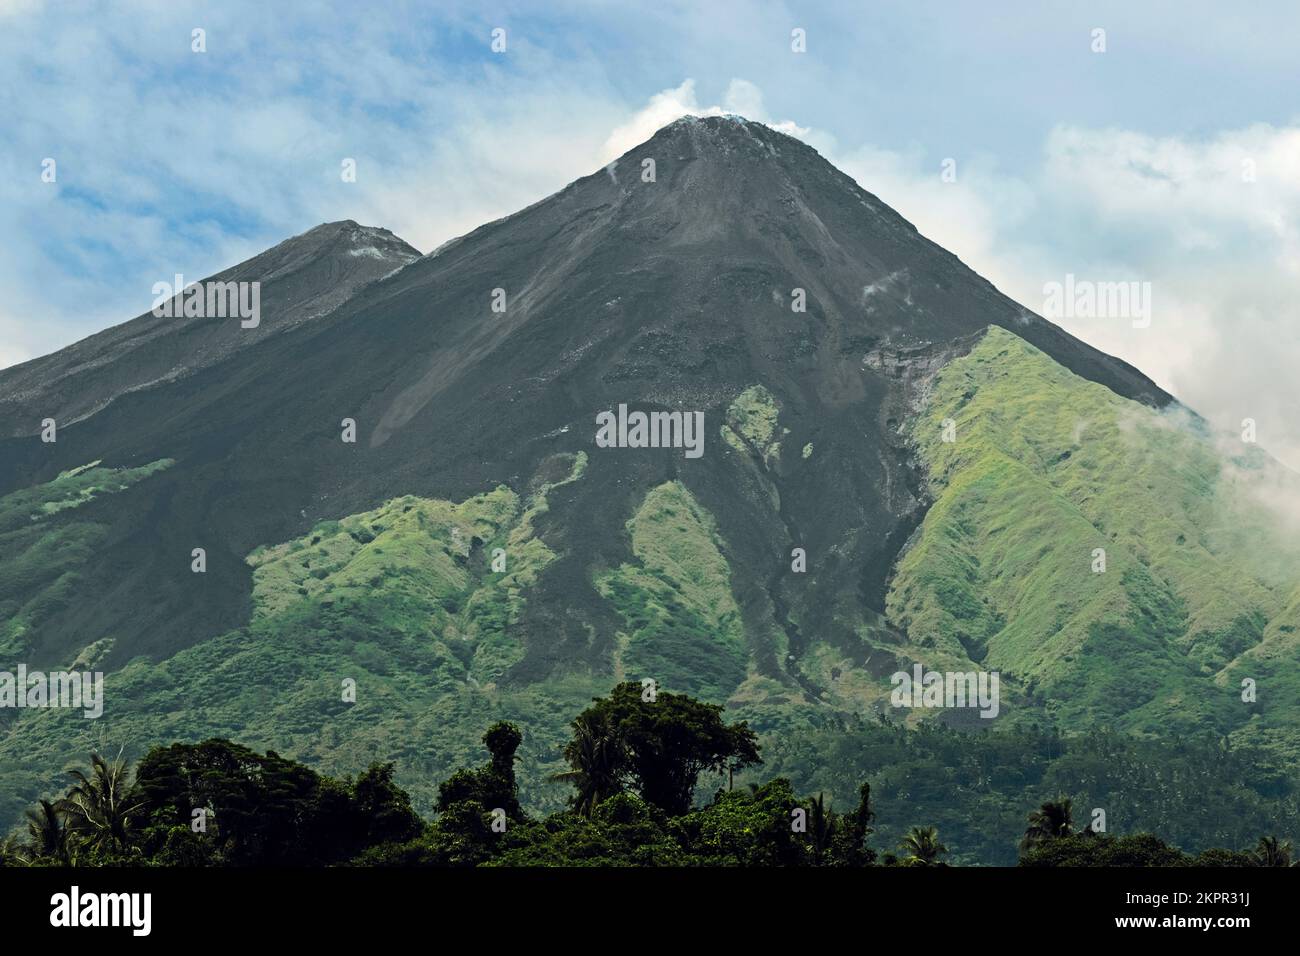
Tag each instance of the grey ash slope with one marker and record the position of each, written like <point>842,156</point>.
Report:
<point>671,294</point>
<point>302,278</point>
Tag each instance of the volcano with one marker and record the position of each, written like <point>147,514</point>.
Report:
<point>396,479</point>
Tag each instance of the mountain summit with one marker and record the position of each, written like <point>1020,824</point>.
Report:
<point>398,479</point>
<point>301,278</point>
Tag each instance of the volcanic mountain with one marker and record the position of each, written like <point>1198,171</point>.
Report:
<point>301,278</point>
<point>395,480</point>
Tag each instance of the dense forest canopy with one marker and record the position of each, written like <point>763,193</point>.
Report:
<point>640,768</point>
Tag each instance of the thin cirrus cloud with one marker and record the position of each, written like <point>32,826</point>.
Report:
<point>171,161</point>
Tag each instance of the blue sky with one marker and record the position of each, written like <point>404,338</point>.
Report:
<point>1120,165</point>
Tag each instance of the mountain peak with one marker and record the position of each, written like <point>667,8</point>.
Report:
<point>738,191</point>
<point>342,237</point>
<point>302,278</point>
<point>720,133</point>
<point>716,121</point>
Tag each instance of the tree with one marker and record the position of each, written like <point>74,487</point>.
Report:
<point>463,836</point>
<point>660,746</point>
<point>384,806</point>
<point>1052,820</point>
<point>921,847</point>
<point>263,809</point>
<point>621,831</point>
<point>99,807</point>
<point>11,852</point>
<point>1104,850</point>
<point>746,828</point>
<point>822,827</point>
<point>491,787</point>
<point>47,833</point>
<point>849,842</point>
<point>597,756</point>
<point>1269,852</point>
<point>1218,856</point>
<point>258,809</point>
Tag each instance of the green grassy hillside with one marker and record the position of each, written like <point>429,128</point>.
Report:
<point>683,626</point>
<point>1044,472</point>
<point>43,558</point>
<point>403,601</point>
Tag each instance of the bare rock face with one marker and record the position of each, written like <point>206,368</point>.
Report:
<point>715,257</point>
<point>300,279</point>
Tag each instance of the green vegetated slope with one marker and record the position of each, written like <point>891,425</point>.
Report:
<point>44,547</point>
<point>751,425</point>
<point>683,625</point>
<point>401,600</point>
<point>1045,469</point>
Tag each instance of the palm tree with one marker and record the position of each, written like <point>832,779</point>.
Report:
<point>822,829</point>
<point>1055,818</point>
<point>48,833</point>
<point>1269,852</point>
<point>11,853</point>
<point>596,756</point>
<point>99,807</point>
<point>922,847</point>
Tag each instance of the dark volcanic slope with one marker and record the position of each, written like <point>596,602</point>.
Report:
<point>302,278</point>
<point>674,293</point>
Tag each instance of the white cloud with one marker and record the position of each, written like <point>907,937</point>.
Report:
<point>742,97</point>
<point>1214,225</point>
<point>1221,251</point>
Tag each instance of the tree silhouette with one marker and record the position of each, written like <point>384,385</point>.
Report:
<point>921,847</point>
<point>662,745</point>
<point>47,833</point>
<point>597,757</point>
<point>1269,852</point>
<point>493,786</point>
<point>849,841</point>
<point>822,827</point>
<point>1052,820</point>
<point>99,807</point>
